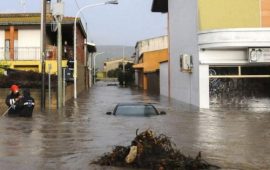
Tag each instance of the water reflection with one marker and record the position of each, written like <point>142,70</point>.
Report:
<point>71,138</point>
<point>239,92</point>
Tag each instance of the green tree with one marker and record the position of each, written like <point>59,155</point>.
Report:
<point>128,76</point>
<point>113,73</point>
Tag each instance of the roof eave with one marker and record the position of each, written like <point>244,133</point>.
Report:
<point>69,21</point>
<point>19,23</point>
<point>91,47</point>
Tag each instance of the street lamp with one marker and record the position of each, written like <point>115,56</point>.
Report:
<point>94,58</point>
<point>114,2</point>
<point>124,66</point>
<point>42,52</point>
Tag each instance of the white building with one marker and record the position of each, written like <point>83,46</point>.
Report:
<point>209,48</point>
<point>114,63</point>
<point>149,53</point>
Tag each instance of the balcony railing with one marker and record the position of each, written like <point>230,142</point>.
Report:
<point>27,53</point>
<point>20,53</point>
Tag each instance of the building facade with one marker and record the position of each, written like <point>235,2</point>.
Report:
<point>114,63</point>
<point>223,41</point>
<point>20,44</point>
<point>149,54</point>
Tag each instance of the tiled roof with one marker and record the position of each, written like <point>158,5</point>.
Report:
<point>28,19</point>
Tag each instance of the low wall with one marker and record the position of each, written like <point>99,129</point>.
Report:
<point>36,93</point>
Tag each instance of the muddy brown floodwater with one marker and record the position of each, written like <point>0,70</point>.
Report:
<point>233,138</point>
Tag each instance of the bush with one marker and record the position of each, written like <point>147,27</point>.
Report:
<point>113,73</point>
<point>128,76</point>
<point>26,79</point>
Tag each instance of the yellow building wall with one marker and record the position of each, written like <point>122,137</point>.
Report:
<point>101,75</point>
<point>34,65</point>
<point>218,14</point>
<point>151,60</point>
<point>265,7</point>
<point>144,82</point>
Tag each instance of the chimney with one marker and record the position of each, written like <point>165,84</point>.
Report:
<point>48,7</point>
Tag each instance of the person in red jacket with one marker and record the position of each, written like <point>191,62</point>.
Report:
<point>12,100</point>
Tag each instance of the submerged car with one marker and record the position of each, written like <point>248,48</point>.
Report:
<point>135,109</point>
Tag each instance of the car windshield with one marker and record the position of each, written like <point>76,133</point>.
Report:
<point>135,110</point>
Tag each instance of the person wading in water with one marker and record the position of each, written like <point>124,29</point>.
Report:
<point>12,100</point>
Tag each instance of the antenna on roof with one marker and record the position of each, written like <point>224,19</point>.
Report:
<point>23,4</point>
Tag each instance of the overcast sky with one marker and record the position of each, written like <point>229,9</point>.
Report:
<point>122,24</point>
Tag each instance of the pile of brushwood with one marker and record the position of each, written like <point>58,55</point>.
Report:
<point>152,152</point>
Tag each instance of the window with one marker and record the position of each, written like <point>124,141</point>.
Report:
<point>7,48</point>
<point>136,110</point>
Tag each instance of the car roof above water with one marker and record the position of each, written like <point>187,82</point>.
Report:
<point>133,104</point>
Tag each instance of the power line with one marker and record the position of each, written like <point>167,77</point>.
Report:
<point>77,4</point>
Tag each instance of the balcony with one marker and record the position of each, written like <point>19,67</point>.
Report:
<point>21,53</point>
<point>27,53</point>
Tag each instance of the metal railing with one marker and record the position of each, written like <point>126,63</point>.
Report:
<point>20,53</point>
<point>27,53</point>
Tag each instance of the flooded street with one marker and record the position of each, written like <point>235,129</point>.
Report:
<point>72,138</point>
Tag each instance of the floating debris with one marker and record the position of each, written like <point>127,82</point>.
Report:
<point>152,152</point>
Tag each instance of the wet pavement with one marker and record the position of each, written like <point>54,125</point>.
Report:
<point>233,138</point>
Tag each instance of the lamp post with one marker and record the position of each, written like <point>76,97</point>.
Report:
<point>124,76</point>
<point>115,2</point>
<point>94,73</point>
<point>42,52</point>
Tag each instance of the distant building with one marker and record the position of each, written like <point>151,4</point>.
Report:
<point>209,40</point>
<point>149,54</point>
<point>101,75</point>
<point>20,44</point>
<point>114,63</point>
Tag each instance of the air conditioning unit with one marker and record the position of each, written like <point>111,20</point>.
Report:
<point>186,63</point>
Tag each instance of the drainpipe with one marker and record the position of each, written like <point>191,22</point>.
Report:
<point>169,57</point>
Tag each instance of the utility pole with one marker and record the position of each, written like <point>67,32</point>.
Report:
<point>58,12</point>
<point>42,52</point>
<point>59,61</point>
